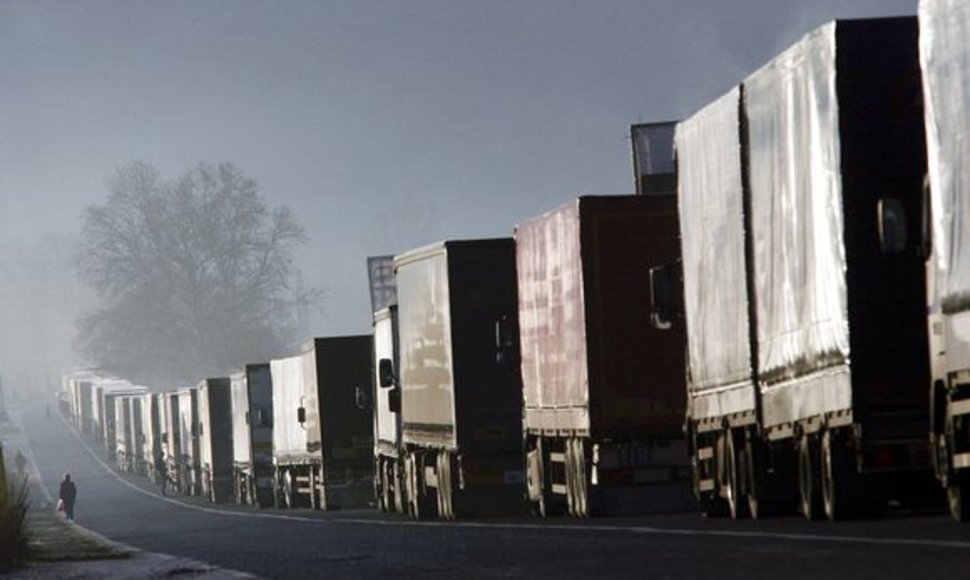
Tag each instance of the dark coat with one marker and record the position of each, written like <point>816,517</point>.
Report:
<point>68,492</point>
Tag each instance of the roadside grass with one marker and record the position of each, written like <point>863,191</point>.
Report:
<point>32,532</point>
<point>14,546</point>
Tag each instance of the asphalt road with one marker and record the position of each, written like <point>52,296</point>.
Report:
<point>364,544</point>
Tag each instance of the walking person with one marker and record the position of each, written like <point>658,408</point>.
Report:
<point>67,497</point>
<point>161,474</point>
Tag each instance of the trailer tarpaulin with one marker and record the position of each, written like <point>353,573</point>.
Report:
<point>711,209</point>
<point>796,202</point>
<point>945,59</point>
<point>289,437</point>
<point>552,319</point>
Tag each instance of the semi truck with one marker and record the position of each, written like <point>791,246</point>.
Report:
<point>388,469</point>
<point>322,424</point>
<point>603,391</point>
<point>168,414</point>
<point>136,456</point>
<point>252,435</point>
<point>100,415</point>
<point>115,417</point>
<point>149,433</point>
<point>122,443</point>
<point>78,385</point>
<point>804,294</point>
<point>215,439</point>
<point>187,425</point>
<point>944,50</point>
<point>461,397</point>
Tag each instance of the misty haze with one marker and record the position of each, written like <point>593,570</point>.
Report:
<point>484,289</point>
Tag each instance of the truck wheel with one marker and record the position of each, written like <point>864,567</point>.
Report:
<point>533,479</point>
<point>397,483</point>
<point>380,480</point>
<point>732,489</point>
<point>418,503</point>
<point>445,506</point>
<point>582,489</point>
<point>808,486</point>
<point>751,470</point>
<point>836,476</point>
<point>576,488</point>
<point>288,491</point>
<point>386,498</point>
<point>410,470</point>
<point>958,497</point>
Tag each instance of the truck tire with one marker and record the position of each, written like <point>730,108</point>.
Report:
<point>419,505</point>
<point>582,479</point>
<point>752,469</point>
<point>380,480</point>
<point>534,485</point>
<point>397,483</point>
<point>289,493</point>
<point>836,477</point>
<point>576,489</point>
<point>958,497</point>
<point>443,468</point>
<point>387,502</point>
<point>808,481</point>
<point>732,489</point>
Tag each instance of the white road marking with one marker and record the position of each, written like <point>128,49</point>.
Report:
<point>636,530</point>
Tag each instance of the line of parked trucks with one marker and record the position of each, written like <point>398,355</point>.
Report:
<point>777,321</point>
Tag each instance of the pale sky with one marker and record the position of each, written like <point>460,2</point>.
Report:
<point>384,124</point>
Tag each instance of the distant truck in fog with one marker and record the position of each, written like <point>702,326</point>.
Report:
<point>187,426</point>
<point>115,428</point>
<point>460,398</point>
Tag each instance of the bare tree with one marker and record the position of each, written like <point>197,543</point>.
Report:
<point>195,275</point>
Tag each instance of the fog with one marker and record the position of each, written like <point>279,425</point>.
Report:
<point>384,125</point>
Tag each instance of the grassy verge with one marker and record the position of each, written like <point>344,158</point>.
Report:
<point>31,532</point>
<point>13,513</point>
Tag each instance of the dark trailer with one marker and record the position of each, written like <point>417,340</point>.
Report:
<point>604,396</point>
<point>215,439</point>
<point>252,435</point>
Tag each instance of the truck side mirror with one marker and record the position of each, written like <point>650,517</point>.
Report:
<point>662,297</point>
<point>385,372</point>
<point>394,400</point>
<point>301,415</point>
<point>893,238</point>
<point>506,336</point>
<point>926,222</point>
